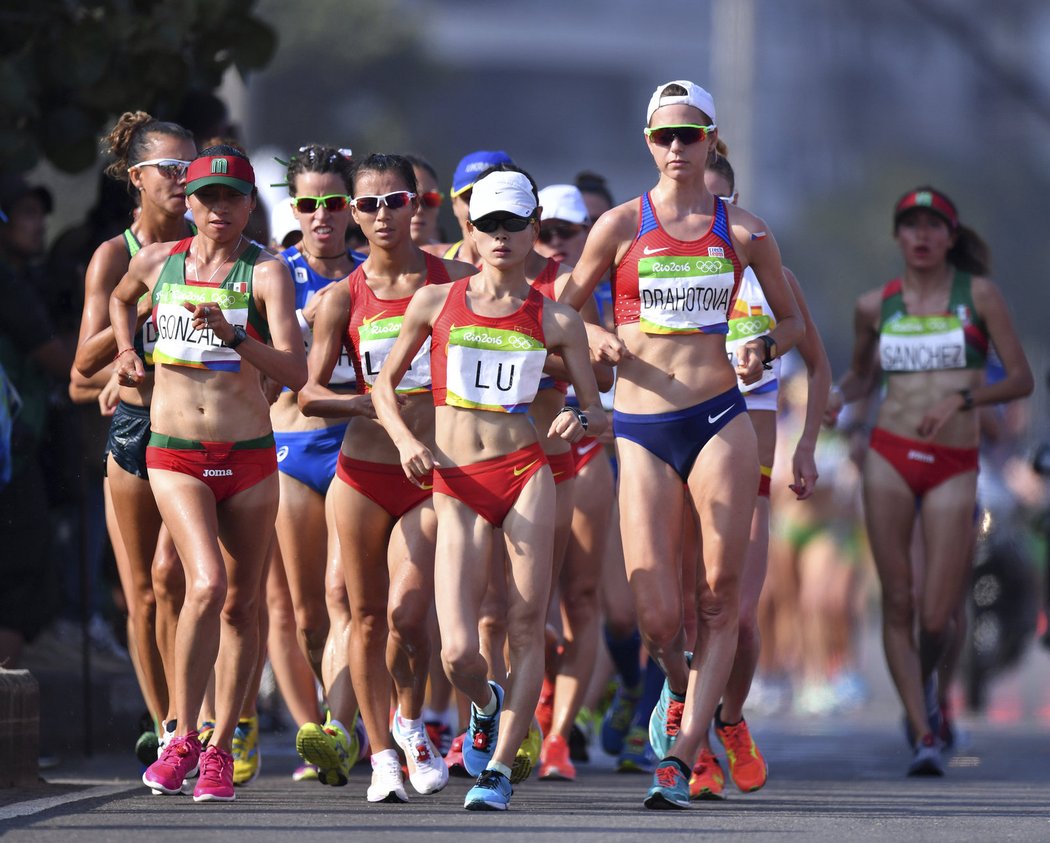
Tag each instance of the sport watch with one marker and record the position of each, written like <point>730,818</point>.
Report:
<point>239,336</point>
<point>771,350</point>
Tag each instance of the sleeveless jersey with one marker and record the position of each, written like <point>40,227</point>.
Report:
<point>178,342</point>
<point>307,284</point>
<point>672,286</point>
<point>487,362</point>
<point>751,317</point>
<point>374,327</point>
<point>957,339</point>
<point>545,284</point>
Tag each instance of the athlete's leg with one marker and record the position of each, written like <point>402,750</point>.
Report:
<point>723,485</point>
<point>411,559</point>
<point>302,535</point>
<point>339,690</point>
<point>169,588</point>
<point>889,512</point>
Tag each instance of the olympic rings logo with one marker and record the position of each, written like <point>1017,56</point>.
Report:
<point>227,300</point>
<point>519,342</point>
<point>709,267</point>
<point>750,325</point>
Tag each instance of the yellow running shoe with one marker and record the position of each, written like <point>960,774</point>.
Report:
<point>747,767</point>
<point>246,750</point>
<point>204,733</point>
<point>328,748</point>
<point>528,754</point>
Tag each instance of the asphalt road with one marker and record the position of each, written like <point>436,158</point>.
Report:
<point>836,778</point>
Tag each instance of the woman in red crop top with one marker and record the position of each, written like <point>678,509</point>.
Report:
<point>682,436</point>
<point>491,334</point>
<point>212,464</point>
<point>928,332</point>
<point>385,524</point>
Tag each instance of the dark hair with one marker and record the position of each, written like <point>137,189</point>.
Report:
<point>227,149</point>
<point>317,158</point>
<point>129,138</point>
<point>970,253</point>
<point>507,167</point>
<point>590,182</point>
<point>379,162</point>
<point>420,163</point>
<point>720,165</point>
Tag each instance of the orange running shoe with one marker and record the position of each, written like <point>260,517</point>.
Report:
<point>746,765</point>
<point>555,764</point>
<point>545,706</point>
<point>708,781</point>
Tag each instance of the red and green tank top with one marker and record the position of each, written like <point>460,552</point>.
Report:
<point>178,342</point>
<point>671,286</point>
<point>375,324</point>
<point>490,363</point>
<point>955,339</point>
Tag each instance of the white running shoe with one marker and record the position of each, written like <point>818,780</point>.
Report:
<point>426,768</point>
<point>387,784</point>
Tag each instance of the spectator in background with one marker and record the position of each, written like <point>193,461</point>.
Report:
<point>35,361</point>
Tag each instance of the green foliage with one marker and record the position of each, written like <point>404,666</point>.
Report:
<point>69,67</point>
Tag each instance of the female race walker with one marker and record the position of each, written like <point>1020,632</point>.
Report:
<point>682,435</point>
<point>750,317</point>
<point>385,525</point>
<point>225,315</point>
<point>929,332</point>
<point>152,157</point>
<point>491,334</point>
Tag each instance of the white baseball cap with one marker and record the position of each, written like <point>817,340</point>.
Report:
<point>694,96</point>
<point>563,202</point>
<point>502,192</point>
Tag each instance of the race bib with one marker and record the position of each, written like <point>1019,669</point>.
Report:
<point>343,372</point>
<point>180,344</point>
<point>493,369</point>
<point>376,340</point>
<point>684,295</point>
<point>922,344</point>
<point>746,328</point>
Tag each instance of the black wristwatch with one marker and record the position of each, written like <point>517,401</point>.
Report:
<point>580,415</point>
<point>771,350</point>
<point>967,398</point>
<point>239,336</point>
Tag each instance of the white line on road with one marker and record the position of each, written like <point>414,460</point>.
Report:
<point>35,806</point>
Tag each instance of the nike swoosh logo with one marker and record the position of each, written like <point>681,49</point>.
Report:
<point>520,471</point>
<point>586,449</point>
<point>366,321</point>
<point>713,419</point>
<point>649,251</point>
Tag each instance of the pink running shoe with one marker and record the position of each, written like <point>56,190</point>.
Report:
<point>177,762</point>
<point>216,779</point>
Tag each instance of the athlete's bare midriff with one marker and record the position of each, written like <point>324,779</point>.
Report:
<point>466,436</point>
<point>209,406</point>
<point>910,395</point>
<point>367,440</point>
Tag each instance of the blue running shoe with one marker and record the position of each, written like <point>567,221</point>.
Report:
<point>665,722</point>
<point>492,792</point>
<point>617,720</point>
<point>637,756</point>
<point>481,735</point>
<point>670,788</point>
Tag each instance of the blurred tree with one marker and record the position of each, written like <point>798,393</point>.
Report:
<point>69,66</point>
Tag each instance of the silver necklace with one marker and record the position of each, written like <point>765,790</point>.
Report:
<point>197,264</point>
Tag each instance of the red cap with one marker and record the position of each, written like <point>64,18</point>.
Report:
<point>229,170</point>
<point>928,199</point>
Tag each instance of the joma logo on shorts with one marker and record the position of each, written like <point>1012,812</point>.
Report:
<point>919,456</point>
<point>218,472</point>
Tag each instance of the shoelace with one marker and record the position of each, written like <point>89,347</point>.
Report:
<point>489,779</point>
<point>675,710</point>
<point>667,776</point>
<point>213,764</point>
<point>738,737</point>
<point>485,733</point>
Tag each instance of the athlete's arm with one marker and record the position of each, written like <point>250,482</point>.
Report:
<point>416,458</point>
<point>818,380</point>
<point>859,379</point>
<point>1016,383</point>
<point>95,344</point>
<point>563,330</point>
<point>758,249</point>
<point>284,360</point>
<point>123,306</point>
<point>555,366</point>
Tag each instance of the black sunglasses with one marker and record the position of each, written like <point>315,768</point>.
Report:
<point>563,231</point>
<point>488,225</point>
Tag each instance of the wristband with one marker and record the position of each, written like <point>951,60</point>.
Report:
<point>771,345</point>
<point>580,415</point>
<point>967,397</point>
<point>120,353</point>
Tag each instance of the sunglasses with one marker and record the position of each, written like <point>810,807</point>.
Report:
<point>332,202</point>
<point>563,231</point>
<point>431,199</point>
<point>171,168</point>
<point>488,225</point>
<point>393,201</point>
<point>687,133</point>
